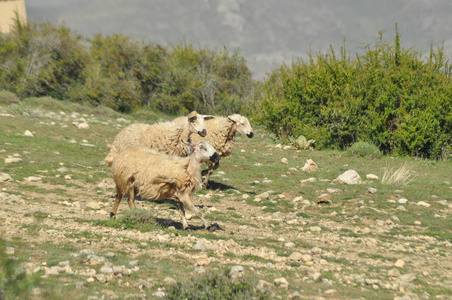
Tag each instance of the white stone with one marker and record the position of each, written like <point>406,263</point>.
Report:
<point>350,177</point>
<point>372,177</point>
<point>28,133</point>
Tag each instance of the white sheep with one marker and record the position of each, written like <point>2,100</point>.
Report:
<point>221,135</point>
<point>154,175</point>
<point>165,137</point>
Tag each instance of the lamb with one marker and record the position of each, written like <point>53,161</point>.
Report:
<point>154,175</point>
<point>165,137</point>
<point>221,135</point>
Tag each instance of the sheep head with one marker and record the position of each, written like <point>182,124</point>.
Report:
<point>205,151</point>
<point>196,123</point>
<point>242,125</point>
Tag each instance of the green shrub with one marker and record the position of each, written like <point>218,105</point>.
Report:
<point>214,286</point>
<point>388,96</point>
<point>14,283</point>
<point>364,149</point>
<point>8,98</point>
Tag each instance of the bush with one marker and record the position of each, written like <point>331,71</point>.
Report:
<point>389,97</point>
<point>214,286</point>
<point>364,149</point>
<point>8,98</point>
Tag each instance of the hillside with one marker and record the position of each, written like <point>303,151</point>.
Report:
<point>280,231</point>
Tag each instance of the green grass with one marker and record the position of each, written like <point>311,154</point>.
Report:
<point>352,210</point>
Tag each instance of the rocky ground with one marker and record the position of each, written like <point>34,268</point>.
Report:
<point>294,253</point>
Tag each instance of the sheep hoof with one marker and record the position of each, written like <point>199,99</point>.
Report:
<point>214,227</point>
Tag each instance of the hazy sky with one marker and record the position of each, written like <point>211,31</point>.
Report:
<point>268,32</point>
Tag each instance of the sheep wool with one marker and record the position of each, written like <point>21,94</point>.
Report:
<point>165,137</point>
<point>221,135</point>
<point>153,175</point>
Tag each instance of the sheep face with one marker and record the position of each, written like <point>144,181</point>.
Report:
<point>242,125</point>
<point>205,151</point>
<point>196,123</point>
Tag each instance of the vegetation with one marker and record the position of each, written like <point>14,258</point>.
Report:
<point>121,73</point>
<point>389,97</point>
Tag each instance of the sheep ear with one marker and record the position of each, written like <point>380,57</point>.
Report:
<point>192,116</point>
<point>234,118</point>
<point>207,117</point>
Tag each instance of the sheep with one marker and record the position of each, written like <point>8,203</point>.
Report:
<point>164,136</point>
<point>221,135</point>
<point>154,175</point>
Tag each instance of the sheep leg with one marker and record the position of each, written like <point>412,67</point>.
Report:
<point>182,215</point>
<point>209,172</point>
<point>118,199</point>
<point>185,200</point>
<point>131,199</point>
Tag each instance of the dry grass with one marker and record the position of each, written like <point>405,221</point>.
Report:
<point>400,177</point>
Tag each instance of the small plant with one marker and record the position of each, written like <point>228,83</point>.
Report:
<point>364,149</point>
<point>401,176</point>
<point>214,286</point>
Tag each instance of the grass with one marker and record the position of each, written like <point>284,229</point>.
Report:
<point>163,251</point>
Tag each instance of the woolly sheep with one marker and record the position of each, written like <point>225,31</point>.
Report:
<point>221,135</point>
<point>165,137</point>
<point>154,175</point>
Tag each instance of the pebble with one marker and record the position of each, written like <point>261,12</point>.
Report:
<point>372,190</point>
<point>281,282</point>
<point>402,201</point>
<point>11,160</point>
<point>324,199</point>
<point>5,177</point>
<point>399,263</point>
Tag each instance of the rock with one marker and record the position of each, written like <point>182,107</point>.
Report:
<point>284,160</point>
<point>402,201</point>
<point>309,180</point>
<point>306,258</point>
<point>83,125</point>
<point>349,177</point>
<point>372,190</point>
<point>11,160</point>
<point>316,251</point>
<point>10,250</point>
<point>407,278</point>
<point>324,199</point>
<point>28,133</point>
<point>168,281</point>
<point>393,273</point>
<point>399,263</point>
<point>310,166</point>
<point>33,178</point>
<point>264,195</point>
<point>423,203</point>
<point>281,282</point>
<point>264,286</point>
<point>93,205</point>
<point>200,245</point>
<point>295,295</point>
<point>236,272</point>
<point>101,278</point>
<point>296,256</point>
<point>372,177</point>
<point>5,177</point>
<point>289,245</point>
<point>316,276</point>
<point>62,170</point>
<point>333,190</point>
